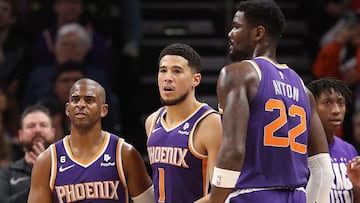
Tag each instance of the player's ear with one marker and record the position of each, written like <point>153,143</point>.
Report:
<point>104,110</point>
<point>259,32</point>
<point>196,79</point>
<point>67,109</point>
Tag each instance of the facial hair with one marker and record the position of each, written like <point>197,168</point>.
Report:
<point>174,101</point>
<point>28,146</point>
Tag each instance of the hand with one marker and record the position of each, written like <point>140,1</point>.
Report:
<point>350,75</point>
<point>353,171</point>
<point>37,149</point>
<point>345,34</point>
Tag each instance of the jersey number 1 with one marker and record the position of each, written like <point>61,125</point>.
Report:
<point>161,185</point>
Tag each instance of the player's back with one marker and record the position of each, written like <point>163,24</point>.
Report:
<point>276,144</point>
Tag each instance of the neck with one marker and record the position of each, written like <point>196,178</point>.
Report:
<point>178,113</point>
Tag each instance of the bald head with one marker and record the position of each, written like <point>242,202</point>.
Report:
<point>91,84</point>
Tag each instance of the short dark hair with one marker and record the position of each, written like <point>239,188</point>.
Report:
<point>34,108</point>
<point>70,66</point>
<point>185,51</point>
<point>328,84</point>
<point>266,13</point>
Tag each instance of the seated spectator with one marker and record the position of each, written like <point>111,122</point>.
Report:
<point>71,47</point>
<point>9,119</point>
<point>341,59</point>
<point>36,134</point>
<point>14,54</point>
<point>55,100</point>
<point>71,11</point>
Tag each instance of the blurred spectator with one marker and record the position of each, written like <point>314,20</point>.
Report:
<point>126,40</point>
<point>340,58</point>
<point>36,134</point>
<point>9,123</point>
<point>356,130</point>
<point>321,16</point>
<point>72,44</point>
<point>14,54</point>
<point>71,11</point>
<point>66,75</point>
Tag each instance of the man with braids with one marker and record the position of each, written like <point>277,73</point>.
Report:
<point>272,134</point>
<point>89,165</point>
<point>332,97</point>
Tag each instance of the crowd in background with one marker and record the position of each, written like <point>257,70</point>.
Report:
<point>46,45</point>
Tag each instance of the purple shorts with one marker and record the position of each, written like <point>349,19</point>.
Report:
<point>273,195</point>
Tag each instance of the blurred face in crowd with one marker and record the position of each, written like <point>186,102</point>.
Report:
<point>70,47</point>
<point>64,82</point>
<point>36,127</point>
<point>68,11</point>
<point>3,100</point>
<point>6,15</point>
<point>356,127</point>
<point>355,34</point>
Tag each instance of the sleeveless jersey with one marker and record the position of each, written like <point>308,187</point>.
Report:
<point>340,153</point>
<point>101,179</point>
<point>276,144</point>
<point>179,172</point>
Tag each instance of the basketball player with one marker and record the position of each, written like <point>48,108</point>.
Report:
<point>270,124</point>
<point>184,135</point>
<point>332,96</point>
<point>89,164</point>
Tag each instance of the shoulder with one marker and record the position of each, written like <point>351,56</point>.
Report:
<point>42,165</point>
<point>44,157</point>
<point>212,117</point>
<point>130,155</point>
<point>153,115</point>
<point>151,119</point>
<point>344,144</point>
<point>238,72</point>
<point>210,125</point>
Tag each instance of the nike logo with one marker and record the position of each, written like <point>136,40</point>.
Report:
<point>61,169</point>
<point>156,129</point>
<point>15,181</point>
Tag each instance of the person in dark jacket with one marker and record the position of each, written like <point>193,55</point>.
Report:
<point>35,134</point>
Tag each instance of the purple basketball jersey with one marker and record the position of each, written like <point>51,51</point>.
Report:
<point>100,179</point>
<point>342,189</point>
<point>276,143</point>
<point>179,172</point>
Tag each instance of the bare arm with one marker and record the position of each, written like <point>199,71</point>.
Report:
<point>40,180</point>
<point>137,178</point>
<point>208,141</point>
<point>148,123</point>
<point>237,85</point>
